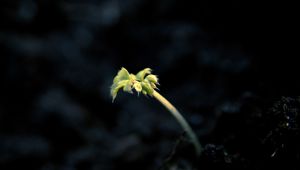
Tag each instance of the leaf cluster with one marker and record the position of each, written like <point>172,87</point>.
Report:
<point>142,82</point>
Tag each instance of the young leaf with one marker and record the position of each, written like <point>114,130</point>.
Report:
<point>147,87</point>
<point>116,87</point>
<point>138,87</point>
<point>153,86</point>
<point>144,92</point>
<point>128,87</point>
<point>141,74</point>
<point>152,78</point>
<point>123,74</point>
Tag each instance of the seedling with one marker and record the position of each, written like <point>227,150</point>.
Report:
<point>146,83</point>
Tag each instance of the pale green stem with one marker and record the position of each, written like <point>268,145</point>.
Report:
<point>186,127</point>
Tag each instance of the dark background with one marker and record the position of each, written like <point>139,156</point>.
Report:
<point>222,64</point>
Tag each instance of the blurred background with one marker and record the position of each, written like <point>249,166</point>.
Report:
<point>58,59</point>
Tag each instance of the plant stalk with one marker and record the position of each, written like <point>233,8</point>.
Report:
<point>186,127</point>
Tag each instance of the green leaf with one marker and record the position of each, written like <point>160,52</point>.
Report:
<point>138,87</point>
<point>153,86</point>
<point>141,74</point>
<point>116,87</point>
<point>123,74</point>
<point>128,87</point>
<point>144,92</point>
<point>132,77</point>
<point>147,87</point>
<point>152,78</point>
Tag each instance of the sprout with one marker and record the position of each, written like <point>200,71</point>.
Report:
<point>146,83</point>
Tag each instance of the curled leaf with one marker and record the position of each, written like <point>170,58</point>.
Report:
<point>152,78</point>
<point>153,86</point>
<point>147,87</point>
<point>116,87</point>
<point>123,74</point>
<point>141,74</point>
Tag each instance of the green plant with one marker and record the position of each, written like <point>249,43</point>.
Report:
<point>146,83</point>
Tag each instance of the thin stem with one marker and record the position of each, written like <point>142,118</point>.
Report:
<point>180,120</point>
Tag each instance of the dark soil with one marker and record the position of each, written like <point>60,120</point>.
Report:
<point>228,67</point>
